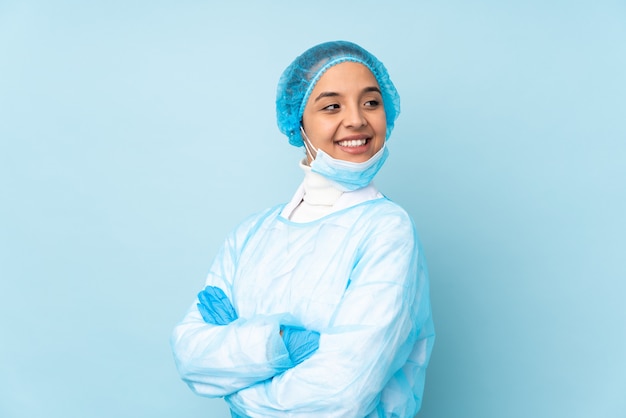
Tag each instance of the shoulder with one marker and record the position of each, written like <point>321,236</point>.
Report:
<point>385,222</point>
<point>385,213</point>
<point>260,217</point>
<point>253,222</point>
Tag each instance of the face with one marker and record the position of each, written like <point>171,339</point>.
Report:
<point>344,115</point>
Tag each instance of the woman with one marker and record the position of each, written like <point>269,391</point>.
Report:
<point>319,307</point>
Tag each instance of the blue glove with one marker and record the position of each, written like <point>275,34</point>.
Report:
<point>301,343</point>
<point>215,307</point>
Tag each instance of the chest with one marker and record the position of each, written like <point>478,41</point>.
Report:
<point>303,271</point>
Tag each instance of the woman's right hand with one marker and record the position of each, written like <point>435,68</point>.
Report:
<point>215,307</point>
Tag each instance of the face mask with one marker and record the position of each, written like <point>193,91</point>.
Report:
<point>348,175</point>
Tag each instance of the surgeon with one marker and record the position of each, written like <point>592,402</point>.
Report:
<point>319,307</point>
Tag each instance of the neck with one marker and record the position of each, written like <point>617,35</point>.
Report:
<point>318,190</point>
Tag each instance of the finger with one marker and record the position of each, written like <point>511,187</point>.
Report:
<point>206,314</point>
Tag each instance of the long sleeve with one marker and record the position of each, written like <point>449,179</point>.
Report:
<point>381,325</point>
<point>218,360</point>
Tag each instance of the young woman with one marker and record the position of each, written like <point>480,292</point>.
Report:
<point>319,307</point>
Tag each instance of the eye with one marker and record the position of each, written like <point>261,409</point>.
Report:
<point>372,103</point>
<point>333,106</point>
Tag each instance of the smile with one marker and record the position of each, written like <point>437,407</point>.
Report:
<point>352,143</point>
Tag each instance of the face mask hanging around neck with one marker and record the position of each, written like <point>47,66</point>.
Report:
<point>348,175</point>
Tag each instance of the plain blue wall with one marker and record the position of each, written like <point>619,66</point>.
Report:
<point>135,135</point>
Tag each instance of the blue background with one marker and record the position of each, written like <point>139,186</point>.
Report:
<point>135,135</point>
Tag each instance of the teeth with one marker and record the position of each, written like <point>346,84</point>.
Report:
<point>352,143</point>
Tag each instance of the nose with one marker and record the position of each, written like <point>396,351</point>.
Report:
<point>354,117</point>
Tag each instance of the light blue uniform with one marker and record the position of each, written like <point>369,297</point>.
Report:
<point>357,276</point>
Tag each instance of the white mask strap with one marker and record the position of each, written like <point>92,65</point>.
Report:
<point>310,150</point>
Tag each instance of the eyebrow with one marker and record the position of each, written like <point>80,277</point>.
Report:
<point>334,94</point>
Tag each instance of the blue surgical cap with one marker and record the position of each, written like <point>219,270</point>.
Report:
<point>298,80</point>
